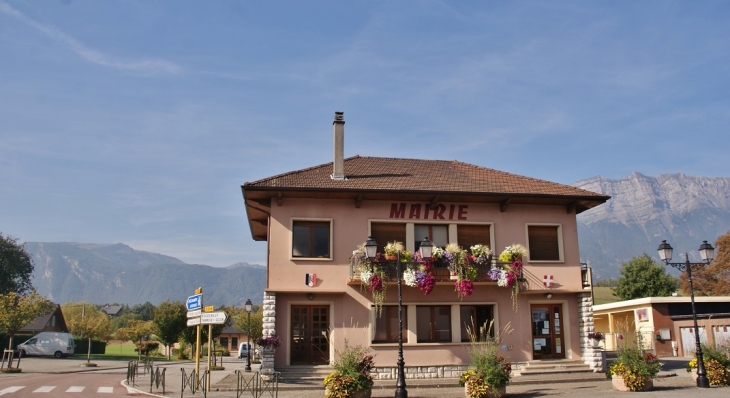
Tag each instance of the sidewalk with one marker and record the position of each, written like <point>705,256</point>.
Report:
<point>673,381</point>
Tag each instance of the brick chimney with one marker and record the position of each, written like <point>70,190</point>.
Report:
<point>338,169</point>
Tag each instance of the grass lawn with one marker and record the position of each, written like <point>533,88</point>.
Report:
<point>601,295</point>
<point>122,351</point>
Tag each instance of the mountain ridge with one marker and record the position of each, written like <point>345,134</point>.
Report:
<point>98,273</point>
<point>644,210</point>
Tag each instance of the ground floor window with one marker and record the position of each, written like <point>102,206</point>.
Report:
<point>234,342</point>
<point>224,342</point>
<point>386,325</point>
<point>477,320</point>
<point>433,323</point>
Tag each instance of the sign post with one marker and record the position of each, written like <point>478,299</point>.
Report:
<point>194,304</point>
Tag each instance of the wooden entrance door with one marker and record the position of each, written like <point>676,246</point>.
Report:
<point>309,328</point>
<point>547,331</point>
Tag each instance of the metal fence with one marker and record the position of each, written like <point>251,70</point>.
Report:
<point>257,384</point>
<point>194,382</point>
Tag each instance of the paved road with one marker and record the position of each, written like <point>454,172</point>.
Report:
<point>76,385</point>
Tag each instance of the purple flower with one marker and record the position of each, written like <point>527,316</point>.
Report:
<point>493,273</point>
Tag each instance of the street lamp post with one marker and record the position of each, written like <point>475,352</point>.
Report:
<point>371,248</point>
<point>708,253</point>
<point>249,306</point>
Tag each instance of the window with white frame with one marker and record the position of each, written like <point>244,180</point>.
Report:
<point>311,239</point>
<point>544,242</point>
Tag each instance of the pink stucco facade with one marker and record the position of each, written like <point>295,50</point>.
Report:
<point>350,313</point>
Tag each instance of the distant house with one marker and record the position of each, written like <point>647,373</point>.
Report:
<point>230,338</point>
<point>664,323</point>
<point>112,310</point>
<point>51,322</point>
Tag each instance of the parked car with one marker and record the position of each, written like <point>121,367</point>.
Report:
<point>243,349</point>
<point>58,344</point>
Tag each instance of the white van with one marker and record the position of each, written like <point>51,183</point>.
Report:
<point>58,344</point>
<point>243,350</point>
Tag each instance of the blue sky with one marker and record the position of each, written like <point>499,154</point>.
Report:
<point>138,121</point>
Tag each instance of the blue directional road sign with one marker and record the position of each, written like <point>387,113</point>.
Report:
<point>195,302</point>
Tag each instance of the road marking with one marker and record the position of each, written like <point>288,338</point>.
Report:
<point>45,389</point>
<point>11,389</point>
<point>107,390</point>
<point>75,389</point>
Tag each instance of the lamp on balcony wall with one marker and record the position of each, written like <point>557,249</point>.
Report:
<point>707,252</point>
<point>371,250</point>
<point>549,295</point>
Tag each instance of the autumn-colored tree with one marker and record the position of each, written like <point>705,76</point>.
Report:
<point>86,321</point>
<point>17,311</point>
<point>170,321</point>
<point>643,277</point>
<point>135,331</point>
<point>712,279</point>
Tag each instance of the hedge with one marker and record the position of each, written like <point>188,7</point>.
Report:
<point>82,346</point>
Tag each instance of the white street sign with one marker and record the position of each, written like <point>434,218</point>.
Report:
<point>193,314</point>
<point>193,321</point>
<point>213,318</point>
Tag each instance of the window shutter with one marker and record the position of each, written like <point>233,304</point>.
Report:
<point>543,243</point>
<point>384,232</point>
<point>469,235</point>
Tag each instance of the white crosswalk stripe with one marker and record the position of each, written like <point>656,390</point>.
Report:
<point>42,389</point>
<point>11,390</point>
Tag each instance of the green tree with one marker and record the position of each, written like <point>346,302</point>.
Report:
<point>170,321</point>
<point>17,311</point>
<point>240,321</point>
<point>643,277</point>
<point>145,312</point>
<point>136,331</point>
<point>16,267</point>
<point>712,279</point>
<point>86,321</point>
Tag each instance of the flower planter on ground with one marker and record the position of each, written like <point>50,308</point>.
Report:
<point>500,392</point>
<point>620,385</point>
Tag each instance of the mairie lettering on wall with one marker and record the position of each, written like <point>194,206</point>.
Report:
<point>424,212</point>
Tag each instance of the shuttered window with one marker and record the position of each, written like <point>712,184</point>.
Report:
<point>544,242</point>
<point>469,235</point>
<point>384,232</point>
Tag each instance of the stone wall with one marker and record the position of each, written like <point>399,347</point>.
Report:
<point>430,372</point>
<point>269,328</point>
<point>590,354</point>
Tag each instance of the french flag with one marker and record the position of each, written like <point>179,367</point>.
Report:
<point>310,280</point>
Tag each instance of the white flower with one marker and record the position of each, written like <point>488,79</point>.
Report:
<point>409,278</point>
<point>365,276</point>
<point>502,281</point>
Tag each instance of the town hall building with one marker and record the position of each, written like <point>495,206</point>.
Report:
<point>316,297</point>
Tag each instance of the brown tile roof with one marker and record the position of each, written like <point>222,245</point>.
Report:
<point>371,178</point>
<point>365,173</point>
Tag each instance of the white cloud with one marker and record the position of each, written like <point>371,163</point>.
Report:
<point>90,54</point>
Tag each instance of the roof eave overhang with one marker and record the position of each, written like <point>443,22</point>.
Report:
<point>259,200</point>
